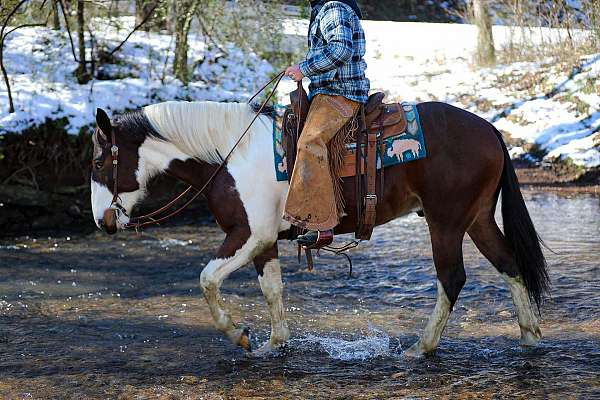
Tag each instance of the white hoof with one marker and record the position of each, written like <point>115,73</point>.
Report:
<point>415,351</point>
<point>529,338</point>
<point>268,349</point>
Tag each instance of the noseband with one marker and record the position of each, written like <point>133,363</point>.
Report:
<point>152,218</point>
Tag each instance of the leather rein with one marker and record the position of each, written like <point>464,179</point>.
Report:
<point>154,217</point>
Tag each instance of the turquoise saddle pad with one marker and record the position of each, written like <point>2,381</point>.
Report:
<point>405,147</point>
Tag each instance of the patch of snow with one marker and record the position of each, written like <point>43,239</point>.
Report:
<point>556,109</point>
<point>40,66</point>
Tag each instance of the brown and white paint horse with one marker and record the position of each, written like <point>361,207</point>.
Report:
<point>457,188</point>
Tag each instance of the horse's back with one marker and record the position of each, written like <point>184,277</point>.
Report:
<point>463,165</point>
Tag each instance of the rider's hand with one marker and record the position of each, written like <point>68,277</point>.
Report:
<point>294,73</point>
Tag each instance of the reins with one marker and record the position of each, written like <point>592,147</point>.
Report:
<point>149,219</point>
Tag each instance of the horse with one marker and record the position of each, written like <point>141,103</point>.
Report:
<point>456,188</point>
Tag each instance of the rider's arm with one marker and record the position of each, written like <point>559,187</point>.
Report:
<point>337,32</point>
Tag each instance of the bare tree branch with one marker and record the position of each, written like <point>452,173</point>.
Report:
<point>63,7</point>
<point>138,26</point>
<point>209,36</point>
<point>11,106</point>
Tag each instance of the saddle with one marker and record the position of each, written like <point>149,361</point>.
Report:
<point>376,122</point>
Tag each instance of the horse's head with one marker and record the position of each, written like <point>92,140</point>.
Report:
<point>112,202</point>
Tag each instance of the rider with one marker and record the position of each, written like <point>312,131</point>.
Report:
<point>336,67</point>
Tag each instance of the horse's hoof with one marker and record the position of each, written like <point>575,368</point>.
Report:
<point>529,338</point>
<point>244,340</point>
<point>415,351</point>
<point>268,349</point>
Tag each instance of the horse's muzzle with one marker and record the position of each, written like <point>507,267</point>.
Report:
<point>109,221</point>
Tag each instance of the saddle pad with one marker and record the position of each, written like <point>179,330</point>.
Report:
<point>398,149</point>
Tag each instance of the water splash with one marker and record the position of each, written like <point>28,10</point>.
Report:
<point>375,344</point>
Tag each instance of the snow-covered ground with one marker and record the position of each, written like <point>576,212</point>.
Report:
<point>423,62</point>
<point>40,64</point>
<point>409,61</point>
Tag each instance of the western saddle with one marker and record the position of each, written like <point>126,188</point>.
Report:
<point>377,121</point>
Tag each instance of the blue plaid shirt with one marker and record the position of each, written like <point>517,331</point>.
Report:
<point>336,47</point>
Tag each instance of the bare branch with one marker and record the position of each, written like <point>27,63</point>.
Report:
<point>64,12</point>
<point>138,26</point>
<point>11,106</point>
<point>209,36</point>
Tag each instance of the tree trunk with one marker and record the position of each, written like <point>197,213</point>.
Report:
<point>185,11</point>
<point>55,16</point>
<point>486,54</point>
<point>113,9</point>
<point>81,72</point>
<point>171,16</point>
<point>11,104</point>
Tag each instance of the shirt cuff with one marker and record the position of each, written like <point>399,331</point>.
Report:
<point>305,69</point>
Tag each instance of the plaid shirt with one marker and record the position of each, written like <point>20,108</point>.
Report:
<point>335,63</point>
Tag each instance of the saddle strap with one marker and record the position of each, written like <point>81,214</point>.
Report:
<point>359,190</point>
<point>367,223</point>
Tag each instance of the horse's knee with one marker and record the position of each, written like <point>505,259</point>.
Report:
<point>208,281</point>
<point>270,281</point>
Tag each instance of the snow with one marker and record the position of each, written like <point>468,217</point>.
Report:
<point>432,62</point>
<point>556,109</point>
<point>40,66</point>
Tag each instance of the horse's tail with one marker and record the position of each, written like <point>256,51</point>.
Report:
<point>521,234</point>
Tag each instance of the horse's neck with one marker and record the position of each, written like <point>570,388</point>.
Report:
<point>195,173</point>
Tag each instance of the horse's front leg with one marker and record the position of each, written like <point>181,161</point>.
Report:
<point>269,276</point>
<point>234,253</point>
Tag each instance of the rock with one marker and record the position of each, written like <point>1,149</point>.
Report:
<point>24,196</point>
<point>74,211</point>
<point>190,380</point>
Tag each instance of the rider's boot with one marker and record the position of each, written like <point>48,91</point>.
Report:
<point>316,239</point>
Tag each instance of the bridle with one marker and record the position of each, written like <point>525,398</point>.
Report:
<point>154,217</point>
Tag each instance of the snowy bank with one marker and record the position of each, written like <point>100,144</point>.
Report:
<point>425,62</point>
<point>536,103</point>
<point>40,67</point>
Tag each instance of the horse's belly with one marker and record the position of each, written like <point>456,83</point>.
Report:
<point>397,201</point>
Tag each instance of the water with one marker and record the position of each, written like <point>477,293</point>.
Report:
<point>123,317</point>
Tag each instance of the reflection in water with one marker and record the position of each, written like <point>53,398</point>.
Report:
<point>111,317</point>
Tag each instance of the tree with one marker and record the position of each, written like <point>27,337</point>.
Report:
<point>142,9</point>
<point>10,12</point>
<point>486,54</point>
<point>82,74</point>
<point>55,16</point>
<point>184,14</point>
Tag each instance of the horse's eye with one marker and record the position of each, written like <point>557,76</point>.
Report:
<point>98,164</point>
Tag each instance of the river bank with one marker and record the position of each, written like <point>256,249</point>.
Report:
<point>559,179</point>
<point>28,211</point>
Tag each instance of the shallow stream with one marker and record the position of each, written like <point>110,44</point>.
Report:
<point>100,317</point>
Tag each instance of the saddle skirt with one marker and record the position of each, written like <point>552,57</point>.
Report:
<point>400,138</point>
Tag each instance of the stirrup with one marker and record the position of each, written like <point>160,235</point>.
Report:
<point>324,238</point>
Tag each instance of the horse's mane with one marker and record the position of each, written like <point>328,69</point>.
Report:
<point>204,130</point>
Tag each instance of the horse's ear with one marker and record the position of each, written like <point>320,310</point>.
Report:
<point>103,122</point>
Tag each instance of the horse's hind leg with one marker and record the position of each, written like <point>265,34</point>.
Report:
<point>234,253</point>
<point>490,241</point>
<point>269,276</point>
<point>448,259</point>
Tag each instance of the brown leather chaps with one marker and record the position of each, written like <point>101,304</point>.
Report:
<point>311,202</point>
